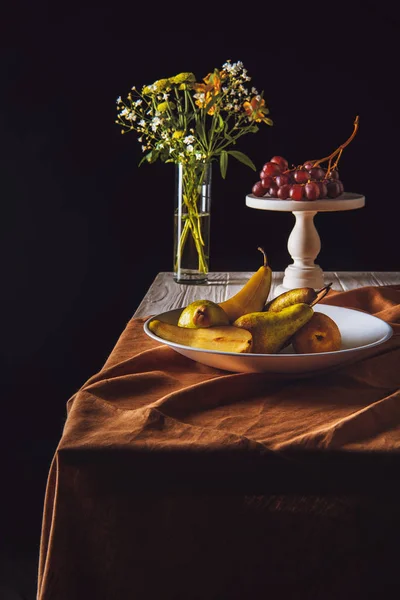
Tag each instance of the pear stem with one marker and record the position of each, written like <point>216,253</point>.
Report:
<point>265,256</point>
<point>321,293</point>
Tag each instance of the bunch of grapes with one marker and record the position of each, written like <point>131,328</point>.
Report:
<point>309,181</point>
<point>304,182</point>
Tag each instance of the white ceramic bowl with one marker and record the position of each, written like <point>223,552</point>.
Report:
<point>360,332</point>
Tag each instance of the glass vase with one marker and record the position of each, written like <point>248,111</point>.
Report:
<point>192,222</point>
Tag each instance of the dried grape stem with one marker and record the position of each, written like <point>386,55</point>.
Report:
<point>337,151</point>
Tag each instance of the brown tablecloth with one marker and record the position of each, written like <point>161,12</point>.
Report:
<point>177,479</point>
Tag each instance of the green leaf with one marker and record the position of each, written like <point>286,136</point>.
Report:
<point>229,138</point>
<point>243,159</point>
<point>220,124</point>
<point>223,163</point>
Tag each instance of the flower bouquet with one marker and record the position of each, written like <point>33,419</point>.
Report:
<point>192,124</point>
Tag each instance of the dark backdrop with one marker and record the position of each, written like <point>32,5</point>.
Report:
<point>85,230</point>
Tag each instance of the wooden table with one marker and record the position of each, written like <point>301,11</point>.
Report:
<point>172,480</point>
<point>164,294</point>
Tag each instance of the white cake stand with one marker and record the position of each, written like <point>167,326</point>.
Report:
<point>304,243</point>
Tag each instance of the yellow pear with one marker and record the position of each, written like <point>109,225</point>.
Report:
<point>320,334</point>
<point>222,338</point>
<point>202,313</point>
<point>253,295</point>
<point>308,295</point>
<point>272,330</point>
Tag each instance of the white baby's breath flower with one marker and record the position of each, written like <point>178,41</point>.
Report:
<point>190,148</point>
<point>119,100</point>
<point>155,123</point>
<point>227,66</point>
<point>142,123</point>
<point>189,139</point>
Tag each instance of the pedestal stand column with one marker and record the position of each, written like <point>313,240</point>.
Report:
<point>304,245</point>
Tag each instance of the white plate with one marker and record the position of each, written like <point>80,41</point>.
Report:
<point>360,332</point>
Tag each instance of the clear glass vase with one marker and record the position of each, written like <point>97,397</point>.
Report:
<point>192,222</point>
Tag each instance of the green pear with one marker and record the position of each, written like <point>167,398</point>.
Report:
<point>307,295</point>
<point>202,313</point>
<point>272,330</point>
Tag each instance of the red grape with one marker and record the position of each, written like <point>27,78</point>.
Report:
<point>282,162</point>
<point>323,190</point>
<point>267,181</point>
<point>258,189</point>
<point>271,168</point>
<point>282,179</point>
<point>334,189</point>
<point>296,192</point>
<point>317,173</point>
<point>311,190</point>
<point>334,174</point>
<point>284,191</point>
<point>273,190</point>
<point>301,176</point>
<point>308,165</point>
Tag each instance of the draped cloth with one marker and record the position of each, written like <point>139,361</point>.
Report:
<point>177,480</point>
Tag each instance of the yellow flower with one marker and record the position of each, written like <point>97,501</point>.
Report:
<point>182,78</point>
<point>156,87</point>
<point>160,85</point>
<point>177,135</point>
<point>165,106</point>
<point>256,110</point>
<point>148,89</point>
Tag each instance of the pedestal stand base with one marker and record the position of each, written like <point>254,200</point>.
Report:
<point>296,277</point>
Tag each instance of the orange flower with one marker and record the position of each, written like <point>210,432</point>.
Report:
<point>210,88</point>
<point>256,110</point>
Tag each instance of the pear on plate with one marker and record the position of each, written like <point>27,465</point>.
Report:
<point>272,330</point>
<point>202,313</point>
<point>253,295</point>
<point>320,334</point>
<point>221,338</point>
<point>308,295</point>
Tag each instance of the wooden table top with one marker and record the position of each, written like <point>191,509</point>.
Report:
<point>165,294</point>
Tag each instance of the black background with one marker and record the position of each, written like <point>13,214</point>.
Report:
<point>85,230</point>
